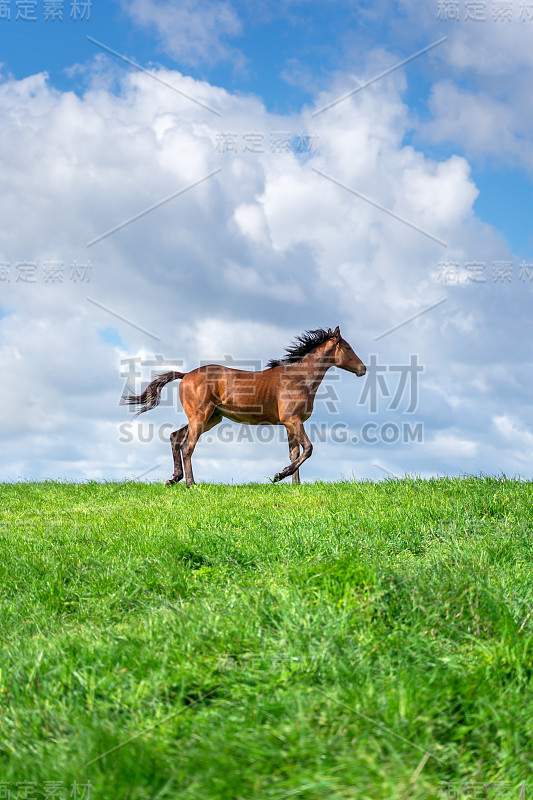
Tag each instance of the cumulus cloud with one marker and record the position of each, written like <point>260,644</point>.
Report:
<point>483,123</point>
<point>192,32</point>
<point>513,432</point>
<point>238,264</point>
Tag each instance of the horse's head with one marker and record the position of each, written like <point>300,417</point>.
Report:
<point>345,358</point>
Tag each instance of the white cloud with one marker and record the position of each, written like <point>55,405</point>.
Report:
<point>483,123</point>
<point>192,31</point>
<point>449,446</point>
<point>251,220</point>
<point>514,433</point>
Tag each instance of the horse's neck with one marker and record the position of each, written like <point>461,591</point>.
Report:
<point>312,370</point>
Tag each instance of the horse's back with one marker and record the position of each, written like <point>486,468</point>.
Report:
<point>233,392</point>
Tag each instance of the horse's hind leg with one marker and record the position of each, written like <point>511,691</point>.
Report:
<point>294,450</point>
<point>176,440</point>
<point>197,426</point>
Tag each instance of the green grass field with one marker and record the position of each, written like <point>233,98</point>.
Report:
<point>346,640</point>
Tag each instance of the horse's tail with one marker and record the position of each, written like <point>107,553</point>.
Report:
<point>151,396</point>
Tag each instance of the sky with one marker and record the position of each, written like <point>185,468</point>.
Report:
<point>186,183</point>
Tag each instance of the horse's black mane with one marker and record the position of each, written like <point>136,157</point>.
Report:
<point>302,345</point>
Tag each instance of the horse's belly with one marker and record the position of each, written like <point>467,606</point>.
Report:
<point>252,415</point>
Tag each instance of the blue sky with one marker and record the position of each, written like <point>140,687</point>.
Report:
<point>273,243</point>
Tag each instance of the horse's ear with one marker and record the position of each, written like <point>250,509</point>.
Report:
<point>330,332</point>
<point>337,333</point>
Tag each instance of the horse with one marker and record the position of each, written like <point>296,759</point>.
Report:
<point>281,394</point>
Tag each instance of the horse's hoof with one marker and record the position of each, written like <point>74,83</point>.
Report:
<point>172,481</point>
<point>277,477</point>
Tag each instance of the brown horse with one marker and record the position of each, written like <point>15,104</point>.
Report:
<point>282,394</point>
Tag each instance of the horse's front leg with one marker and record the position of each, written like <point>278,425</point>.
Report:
<point>295,429</point>
<point>294,451</point>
